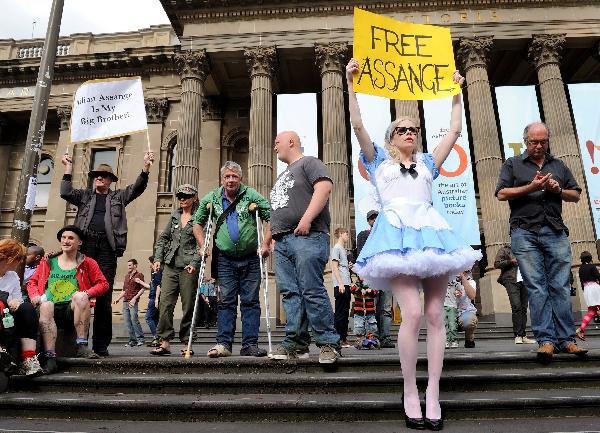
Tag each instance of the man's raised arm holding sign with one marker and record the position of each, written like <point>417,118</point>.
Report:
<point>411,245</point>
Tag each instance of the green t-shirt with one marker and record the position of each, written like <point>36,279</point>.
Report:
<point>62,284</point>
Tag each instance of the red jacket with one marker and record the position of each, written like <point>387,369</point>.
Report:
<point>89,278</point>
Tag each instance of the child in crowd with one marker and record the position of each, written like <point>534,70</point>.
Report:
<point>365,323</point>
<point>35,253</point>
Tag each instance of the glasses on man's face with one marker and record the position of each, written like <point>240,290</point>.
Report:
<point>401,130</point>
<point>535,143</point>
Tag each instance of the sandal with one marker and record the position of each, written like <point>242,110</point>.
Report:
<point>218,351</point>
<point>160,351</point>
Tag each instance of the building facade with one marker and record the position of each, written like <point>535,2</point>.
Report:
<point>211,80</point>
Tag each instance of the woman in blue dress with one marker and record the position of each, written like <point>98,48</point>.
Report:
<point>411,246</point>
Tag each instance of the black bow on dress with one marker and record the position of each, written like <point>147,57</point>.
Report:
<point>411,170</point>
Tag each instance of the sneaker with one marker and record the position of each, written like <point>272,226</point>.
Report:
<point>468,344</point>
<point>345,344</point>
<point>140,343</point>
<point>454,345</point>
<point>302,353</point>
<point>447,345</point>
<point>154,343</point>
<point>527,340</point>
<point>386,343</point>
<point>518,340</point>
<point>253,351</point>
<point>131,344</point>
<point>84,352</point>
<point>50,367</point>
<point>103,351</point>
<point>31,367</point>
<point>282,353</point>
<point>328,355</point>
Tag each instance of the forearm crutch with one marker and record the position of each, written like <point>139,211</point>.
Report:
<point>207,238</point>
<point>264,273</point>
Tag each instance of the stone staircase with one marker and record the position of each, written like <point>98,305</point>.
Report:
<point>496,380</point>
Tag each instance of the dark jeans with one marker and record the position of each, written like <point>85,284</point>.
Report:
<point>210,311</point>
<point>99,249</point>
<point>152,316</point>
<point>342,310</point>
<point>239,277</point>
<point>517,296</point>
<point>383,314</point>
<point>544,259</point>
<point>299,265</point>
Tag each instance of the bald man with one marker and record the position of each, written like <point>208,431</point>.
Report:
<point>300,223</point>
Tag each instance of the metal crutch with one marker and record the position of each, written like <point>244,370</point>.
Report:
<point>264,273</point>
<point>207,238</point>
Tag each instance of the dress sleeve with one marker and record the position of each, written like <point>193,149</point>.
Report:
<point>429,162</point>
<point>379,156</point>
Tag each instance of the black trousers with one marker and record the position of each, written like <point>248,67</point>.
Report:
<point>99,249</point>
<point>517,296</point>
<point>342,310</point>
<point>26,321</point>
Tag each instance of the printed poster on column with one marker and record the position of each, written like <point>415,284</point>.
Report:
<point>108,108</point>
<point>585,99</point>
<point>401,60</point>
<point>454,189</point>
<point>517,107</point>
<point>376,118</point>
<point>298,112</point>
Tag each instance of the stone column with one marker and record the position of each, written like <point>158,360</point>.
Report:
<point>193,69</point>
<point>261,64</point>
<point>211,145</point>
<point>474,55</point>
<point>545,54</point>
<point>331,62</point>
<point>409,109</point>
<point>57,207</point>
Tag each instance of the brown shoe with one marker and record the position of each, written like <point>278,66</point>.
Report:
<point>545,352</point>
<point>574,349</point>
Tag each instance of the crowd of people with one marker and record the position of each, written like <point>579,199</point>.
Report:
<point>407,249</point>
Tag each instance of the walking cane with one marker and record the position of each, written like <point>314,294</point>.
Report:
<point>264,273</point>
<point>207,237</point>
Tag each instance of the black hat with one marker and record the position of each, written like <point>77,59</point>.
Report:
<point>103,170</point>
<point>70,228</point>
<point>372,214</point>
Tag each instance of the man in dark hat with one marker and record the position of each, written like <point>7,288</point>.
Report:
<point>101,216</point>
<point>62,287</point>
<point>383,313</point>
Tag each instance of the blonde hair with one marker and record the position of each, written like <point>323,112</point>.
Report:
<point>12,250</point>
<point>393,151</point>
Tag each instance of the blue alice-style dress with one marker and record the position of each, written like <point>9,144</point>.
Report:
<point>409,237</point>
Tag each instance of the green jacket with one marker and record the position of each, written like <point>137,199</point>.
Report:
<point>248,241</point>
<point>176,246</point>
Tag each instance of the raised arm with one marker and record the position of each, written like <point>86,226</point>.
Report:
<point>364,140</point>
<point>441,152</point>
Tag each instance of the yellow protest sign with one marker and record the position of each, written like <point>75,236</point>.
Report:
<point>400,60</point>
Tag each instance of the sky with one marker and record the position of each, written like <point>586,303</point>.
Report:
<point>79,16</point>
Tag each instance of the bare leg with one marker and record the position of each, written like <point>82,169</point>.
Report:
<point>435,291</point>
<point>406,291</point>
<point>81,314</point>
<point>47,325</point>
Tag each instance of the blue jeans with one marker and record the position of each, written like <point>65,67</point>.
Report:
<point>151,314</point>
<point>130,317</point>
<point>299,265</point>
<point>544,259</point>
<point>239,277</point>
<point>383,314</point>
<point>364,325</point>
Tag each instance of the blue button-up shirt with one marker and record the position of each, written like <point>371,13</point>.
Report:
<point>231,220</point>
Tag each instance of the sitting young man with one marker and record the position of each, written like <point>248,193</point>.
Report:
<point>62,287</point>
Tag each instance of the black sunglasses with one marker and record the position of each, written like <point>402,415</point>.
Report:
<point>184,196</point>
<point>401,130</point>
<point>102,175</point>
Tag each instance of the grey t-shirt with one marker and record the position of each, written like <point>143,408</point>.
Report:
<point>338,253</point>
<point>292,193</point>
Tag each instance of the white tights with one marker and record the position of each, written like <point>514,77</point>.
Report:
<point>406,291</point>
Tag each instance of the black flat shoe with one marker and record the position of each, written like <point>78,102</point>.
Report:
<point>413,423</point>
<point>434,424</point>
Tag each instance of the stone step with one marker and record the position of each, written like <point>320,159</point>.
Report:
<point>303,383</point>
<point>296,407</point>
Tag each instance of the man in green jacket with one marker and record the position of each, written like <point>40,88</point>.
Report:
<point>238,266</point>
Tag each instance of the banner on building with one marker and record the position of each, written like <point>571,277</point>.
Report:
<point>586,111</point>
<point>454,189</point>
<point>376,118</point>
<point>298,112</point>
<point>517,107</point>
<point>108,108</point>
<point>402,60</point>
